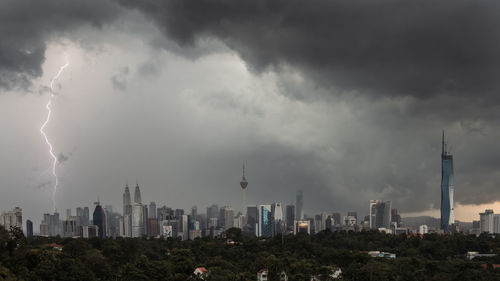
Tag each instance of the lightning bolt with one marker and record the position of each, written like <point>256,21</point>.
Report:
<point>42,130</point>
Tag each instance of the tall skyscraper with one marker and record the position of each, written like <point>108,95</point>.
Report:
<point>380,214</point>
<point>152,210</point>
<point>127,213</point>
<point>137,214</point>
<point>447,188</point>
<point>299,204</point>
<point>99,220</point>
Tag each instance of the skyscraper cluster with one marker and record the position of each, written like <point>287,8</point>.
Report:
<point>262,220</point>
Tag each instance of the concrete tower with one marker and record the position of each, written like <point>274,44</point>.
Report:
<point>244,184</point>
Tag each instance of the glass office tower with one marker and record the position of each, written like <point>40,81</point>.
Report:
<point>266,221</point>
<point>447,188</point>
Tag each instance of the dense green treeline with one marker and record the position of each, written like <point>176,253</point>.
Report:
<point>435,257</point>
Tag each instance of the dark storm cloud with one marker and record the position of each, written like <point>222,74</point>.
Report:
<point>26,26</point>
<point>386,47</point>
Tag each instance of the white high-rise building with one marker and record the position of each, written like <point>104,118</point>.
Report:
<point>496,223</point>
<point>279,223</point>
<point>227,217</point>
<point>183,230</point>
<point>487,222</point>
<point>423,229</point>
<point>12,218</point>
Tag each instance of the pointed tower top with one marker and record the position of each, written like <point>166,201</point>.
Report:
<point>137,195</point>
<point>243,182</point>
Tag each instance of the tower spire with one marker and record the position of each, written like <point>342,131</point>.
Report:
<point>443,146</point>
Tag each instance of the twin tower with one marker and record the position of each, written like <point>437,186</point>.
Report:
<point>134,214</point>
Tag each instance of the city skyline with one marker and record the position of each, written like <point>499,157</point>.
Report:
<point>178,99</point>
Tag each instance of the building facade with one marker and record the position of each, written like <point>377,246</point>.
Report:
<point>380,214</point>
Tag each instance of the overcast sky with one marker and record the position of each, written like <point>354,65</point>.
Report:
<point>345,100</point>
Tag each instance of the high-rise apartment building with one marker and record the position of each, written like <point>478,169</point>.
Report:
<point>496,223</point>
<point>487,221</point>
<point>226,218</point>
<point>12,218</point>
<point>447,188</point>
<point>380,214</point>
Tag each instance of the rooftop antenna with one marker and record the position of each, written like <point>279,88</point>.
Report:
<point>443,145</point>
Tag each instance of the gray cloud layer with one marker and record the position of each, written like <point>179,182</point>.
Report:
<point>387,47</point>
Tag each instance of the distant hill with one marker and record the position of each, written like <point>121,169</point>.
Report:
<point>415,222</point>
<point>432,222</point>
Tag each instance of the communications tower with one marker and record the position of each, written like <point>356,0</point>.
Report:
<point>244,184</point>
